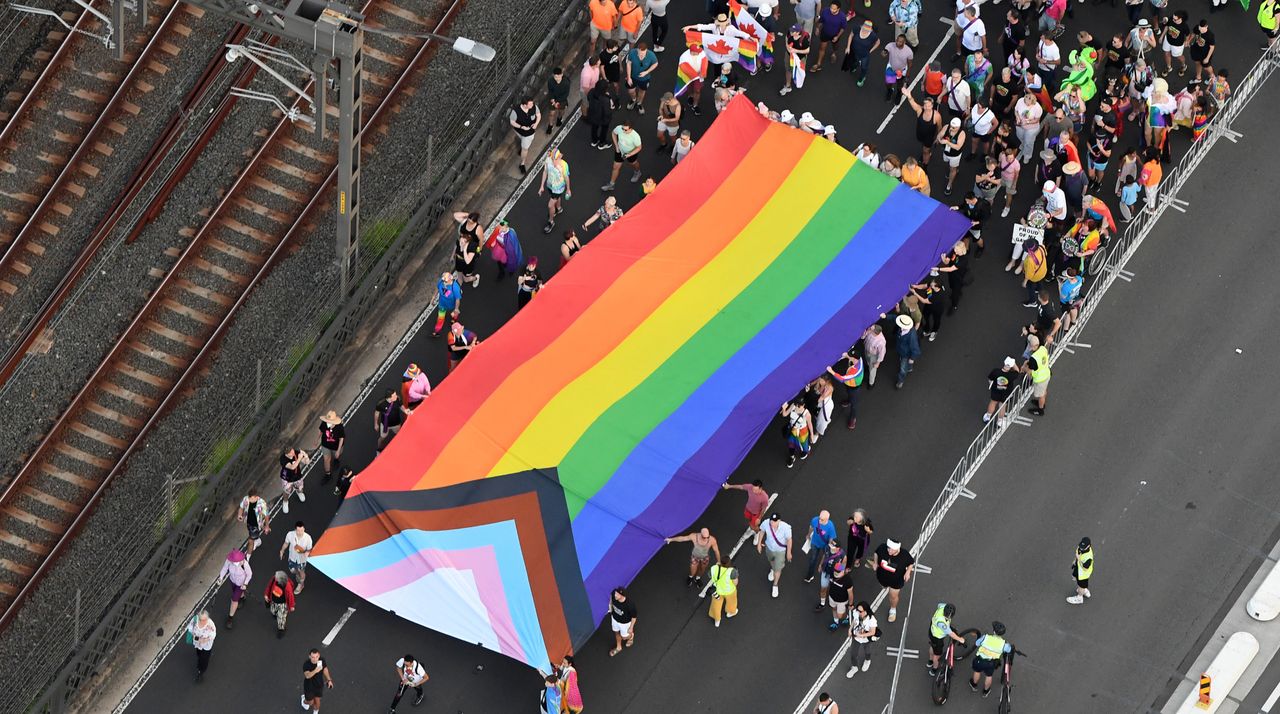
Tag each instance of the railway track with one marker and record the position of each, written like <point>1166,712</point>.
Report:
<point>151,364</point>
<point>54,146</point>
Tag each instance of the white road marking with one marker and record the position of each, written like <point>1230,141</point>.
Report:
<point>1271,700</point>
<point>747,534</point>
<point>328,639</point>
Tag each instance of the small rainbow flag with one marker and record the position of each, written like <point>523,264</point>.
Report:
<point>747,50</point>
<point>691,70</point>
<point>797,71</point>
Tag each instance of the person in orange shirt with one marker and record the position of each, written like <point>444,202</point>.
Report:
<point>604,21</point>
<point>914,176</point>
<point>630,18</point>
<point>1150,177</point>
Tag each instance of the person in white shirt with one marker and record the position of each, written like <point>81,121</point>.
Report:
<point>411,675</point>
<point>658,19</point>
<point>1048,58</point>
<point>973,33</point>
<point>957,93</point>
<point>1027,113</point>
<point>862,630</point>
<point>202,631</point>
<point>961,22</point>
<point>1055,201</point>
<point>298,545</point>
<point>982,127</point>
<point>775,542</point>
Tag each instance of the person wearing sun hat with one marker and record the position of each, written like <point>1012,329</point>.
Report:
<point>1074,185</point>
<point>908,345</point>
<point>332,438</point>
<point>236,569</point>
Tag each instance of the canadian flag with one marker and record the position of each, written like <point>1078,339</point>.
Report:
<point>721,48</point>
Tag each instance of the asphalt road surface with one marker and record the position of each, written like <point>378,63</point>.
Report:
<point>1160,398</point>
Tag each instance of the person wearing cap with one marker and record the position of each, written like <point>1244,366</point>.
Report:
<point>1000,383</point>
<point>1037,365</point>
<point>908,347</point>
<point>555,182</point>
<point>840,593</point>
<point>953,141</point>
<point>831,25</point>
<point>1081,570</point>
<point>333,436</point>
<point>798,44</point>
<point>859,48</point>
<point>236,569</point>
<point>411,373</point>
<point>774,542</point>
<point>1142,38</point>
<point>905,15</point>
<point>834,559</point>
<point>1074,184</point>
<point>893,565</point>
<point>991,648</point>
<point>806,15</point>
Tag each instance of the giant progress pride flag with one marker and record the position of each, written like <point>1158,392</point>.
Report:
<point>548,467</point>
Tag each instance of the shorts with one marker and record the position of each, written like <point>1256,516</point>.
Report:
<point>597,33</point>
<point>290,486</point>
<point>1097,165</point>
<point>628,37</point>
<point>296,567</point>
<point>640,83</point>
<point>937,645</point>
<point>823,37</point>
<point>892,585</point>
<point>620,159</point>
<point>824,580</point>
<point>1010,186</point>
<point>700,560</point>
<point>952,161</point>
<point>525,141</point>
<point>237,593</point>
<point>1271,34</point>
<point>622,628</point>
<point>1082,584</point>
<point>752,518</point>
<point>976,233</point>
<point>1039,389</point>
<point>664,128</point>
<point>255,534</point>
<point>982,665</point>
<point>1174,50</point>
<point>777,559</point>
<point>331,453</point>
<point>555,196</point>
<point>840,608</point>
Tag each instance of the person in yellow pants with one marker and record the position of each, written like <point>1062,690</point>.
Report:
<point>724,580</point>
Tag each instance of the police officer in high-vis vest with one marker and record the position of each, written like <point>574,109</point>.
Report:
<point>1081,569</point>
<point>724,581</point>
<point>1269,20</point>
<point>991,647</point>
<point>939,631</point>
<point>1038,367</point>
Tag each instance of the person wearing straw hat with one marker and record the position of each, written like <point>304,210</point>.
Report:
<point>236,569</point>
<point>908,345</point>
<point>332,438</point>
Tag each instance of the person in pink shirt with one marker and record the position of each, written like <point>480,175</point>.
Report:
<point>591,73</point>
<point>757,500</point>
<point>873,351</point>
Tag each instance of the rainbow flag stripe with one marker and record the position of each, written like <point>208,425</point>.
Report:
<point>605,415</point>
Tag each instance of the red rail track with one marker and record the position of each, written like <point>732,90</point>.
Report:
<point>152,362</point>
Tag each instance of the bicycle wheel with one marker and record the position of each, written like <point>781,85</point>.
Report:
<point>970,636</point>
<point>1094,263</point>
<point>1005,705</point>
<point>941,686</point>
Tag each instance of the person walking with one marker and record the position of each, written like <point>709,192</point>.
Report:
<point>524,119</point>
<point>200,634</point>
<point>461,342</point>
<point>824,408</point>
<point>315,679</point>
<point>1081,571</point>
<point>412,676</point>
<point>704,544</point>
<point>826,705</point>
<point>1000,383</point>
<point>622,619</point>
<point>608,214</point>
<point>639,68</point>
<point>863,630</point>
<point>417,388</point>
<point>345,476</point>
<point>834,559</point>
<point>557,98</point>
<point>898,67</point>
<point>797,51</point>
<point>851,375</point>
<point>467,249</point>
<point>626,149</point>
<point>991,648</point>
<point>297,543</point>
<point>724,585</point>
<point>905,15</point>
<point>1149,177</point>
<point>757,501</point>
<point>775,543</point>
<point>821,533</point>
<point>658,21</point>
<point>388,416</point>
<point>908,346</point>
<point>555,182</point>
<point>839,594</point>
<point>504,248</point>
<point>279,599</point>
<point>669,111</point>
<point>236,569</point>
<point>332,438</point>
<point>893,565</point>
<point>799,426</point>
<point>859,536</point>
<point>448,301</point>
<point>1037,365</point>
<point>571,701</point>
<point>940,631</point>
<point>291,478</point>
<point>604,21</point>
<point>256,516</point>
<point>528,283</point>
<point>601,101</point>
<point>873,352</point>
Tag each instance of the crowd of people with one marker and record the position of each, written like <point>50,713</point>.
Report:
<point>1076,121</point>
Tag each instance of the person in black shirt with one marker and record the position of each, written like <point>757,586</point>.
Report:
<point>333,436</point>
<point>557,97</point>
<point>1003,93</point>
<point>345,476</point>
<point>388,415</point>
<point>893,565</point>
<point>611,63</point>
<point>528,282</point>
<point>1001,383</point>
<point>1014,35</point>
<point>1201,47</point>
<point>1048,317</point>
<point>977,211</point>
<point>622,618</point>
<point>291,463</point>
<point>315,678</point>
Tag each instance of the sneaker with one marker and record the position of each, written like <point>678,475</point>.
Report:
<point>659,49</point>
<point>770,574</point>
<point>784,91</point>
<point>1018,270</point>
<point>697,111</point>
<point>302,497</point>
<point>1008,266</point>
<point>866,665</point>
<point>893,614</point>
<point>635,177</point>
<point>933,336</point>
<point>820,607</point>
<point>731,614</point>
<point>640,109</point>
<point>1029,303</point>
<point>972,686</point>
<point>805,455</point>
<point>809,579</point>
<point>1037,411</point>
<point>933,671</point>
<point>791,461</point>
<point>418,700</point>
<point>898,385</point>
<point>852,424</point>
<point>604,145</point>
<point>852,671</point>
<point>304,703</point>
<point>698,581</point>
<point>631,105</point>
<point>947,191</point>
<point>986,693</point>
<point>548,129</point>
<point>199,675</point>
<point>717,623</point>
<point>775,591</point>
<point>833,626</point>
<point>607,187</point>
<point>1005,212</point>
<point>862,81</point>
<point>548,227</point>
<point>986,418</point>
<point>688,582</point>
<point>1087,594</point>
<point>230,624</point>
<point>1075,600</point>
<point>284,507</point>
<point>297,590</point>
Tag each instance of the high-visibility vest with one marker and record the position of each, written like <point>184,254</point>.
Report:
<point>937,622</point>
<point>1267,14</point>
<point>991,647</point>
<point>1041,372</point>
<point>1083,571</point>
<point>721,578</point>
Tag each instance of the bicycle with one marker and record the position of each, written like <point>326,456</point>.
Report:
<point>942,680</point>
<point>1006,680</point>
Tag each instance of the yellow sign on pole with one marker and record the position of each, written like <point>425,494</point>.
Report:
<point>342,202</point>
